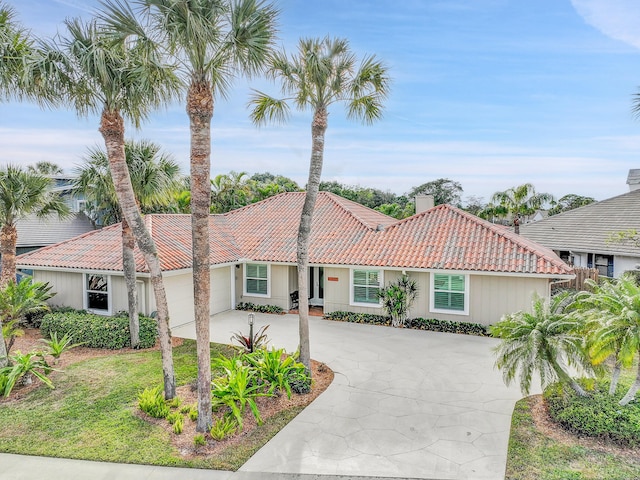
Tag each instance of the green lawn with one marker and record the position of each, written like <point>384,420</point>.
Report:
<point>90,414</point>
<point>534,456</point>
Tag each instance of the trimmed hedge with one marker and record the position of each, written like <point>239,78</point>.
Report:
<point>275,309</point>
<point>597,415</point>
<point>97,331</point>
<point>430,324</point>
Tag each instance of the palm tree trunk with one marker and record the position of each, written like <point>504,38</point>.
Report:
<point>631,393</point>
<point>318,129</point>
<point>8,241</point>
<point>112,130</point>
<point>129,268</point>
<point>4,354</point>
<point>615,376</point>
<point>563,375</point>
<point>200,111</point>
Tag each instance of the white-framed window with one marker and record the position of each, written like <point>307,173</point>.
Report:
<point>365,287</point>
<point>256,279</point>
<point>449,293</point>
<point>97,293</point>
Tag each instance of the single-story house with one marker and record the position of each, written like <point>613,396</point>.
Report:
<point>583,237</point>
<point>466,269</point>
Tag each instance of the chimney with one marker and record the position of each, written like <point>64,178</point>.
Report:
<point>424,203</point>
<point>633,179</point>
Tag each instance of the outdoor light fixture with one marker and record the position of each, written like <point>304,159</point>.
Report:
<point>251,319</point>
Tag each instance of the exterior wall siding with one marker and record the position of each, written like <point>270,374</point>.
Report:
<point>220,290</point>
<point>279,285</point>
<point>67,285</point>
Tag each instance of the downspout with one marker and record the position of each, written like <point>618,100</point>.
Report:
<point>555,282</point>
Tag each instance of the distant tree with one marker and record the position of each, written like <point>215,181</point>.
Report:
<point>367,196</point>
<point>570,202</point>
<point>520,202</point>
<point>265,185</point>
<point>474,205</point>
<point>443,190</point>
<point>230,191</point>
<point>45,168</point>
<point>323,72</point>
<point>397,210</point>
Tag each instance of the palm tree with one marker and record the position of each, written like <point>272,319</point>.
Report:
<point>520,201</point>
<point>540,341</point>
<point>616,304</point>
<point>230,191</point>
<point>120,76</point>
<point>214,40</point>
<point>45,168</point>
<point>21,193</point>
<point>322,73</point>
<point>154,177</point>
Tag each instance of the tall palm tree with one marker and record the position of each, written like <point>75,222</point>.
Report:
<point>120,76</point>
<point>520,201</point>
<point>154,177</point>
<point>616,304</point>
<point>21,193</point>
<point>548,341</point>
<point>214,41</point>
<point>230,191</point>
<point>45,168</point>
<point>322,73</point>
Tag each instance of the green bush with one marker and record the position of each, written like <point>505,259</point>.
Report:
<point>178,425</point>
<point>275,309</point>
<point>431,324</point>
<point>151,401</point>
<point>597,415</point>
<point>97,331</point>
<point>225,426</point>
<point>276,369</point>
<point>199,440</point>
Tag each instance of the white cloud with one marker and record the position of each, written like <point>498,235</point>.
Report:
<point>618,19</point>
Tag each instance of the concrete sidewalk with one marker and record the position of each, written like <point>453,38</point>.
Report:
<point>404,404</point>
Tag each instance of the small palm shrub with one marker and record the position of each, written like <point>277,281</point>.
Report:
<point>275,368</point>
<point>152,402</point>
<point>225,426</point>
<point>10,331</point>
<point>23,368</point>
<point>97,331</point>
<point>397,298</point>
<point>237,389</point>
<point>56,347</point>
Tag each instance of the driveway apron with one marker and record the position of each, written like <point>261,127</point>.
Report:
<point>404,403</point>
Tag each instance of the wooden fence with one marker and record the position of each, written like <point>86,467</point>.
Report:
<point>582,273</point>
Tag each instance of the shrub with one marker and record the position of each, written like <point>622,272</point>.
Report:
<point>276,369</point>
<point>175,402</point>
<point>274,309</point>
<point>23,368</point>
<point>193,414</point>
<point>225,426</point>
<point>173,417</point>
<point>397,298</point>
<point>430,324</point>
<point>152,402</point>
<point>299,383</point>
<point>56,347</point>
<point>199,440</point>
<point>96,331</point>
<point>597,415</point>
<point>250,344</point>
<point>177,420</point>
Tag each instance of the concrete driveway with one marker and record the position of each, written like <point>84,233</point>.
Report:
<point>404,403</point>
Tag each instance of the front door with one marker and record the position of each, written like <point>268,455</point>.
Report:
<point>316,285</point>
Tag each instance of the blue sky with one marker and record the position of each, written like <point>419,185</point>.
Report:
<point>490,93</point>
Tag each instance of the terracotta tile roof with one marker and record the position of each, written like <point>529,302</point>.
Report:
<point>343,233</point>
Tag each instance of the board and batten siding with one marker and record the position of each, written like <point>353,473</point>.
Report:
<point>67,285</point>
<point>278,284</point>
<point>491,296</point>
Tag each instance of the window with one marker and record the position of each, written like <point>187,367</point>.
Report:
<point>97,293</point>
<point>449,293</point>
<point>366,286</point>
<point>256,279</point>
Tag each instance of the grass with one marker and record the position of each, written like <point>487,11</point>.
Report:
<point>90,414</point>
<point>534,456</point>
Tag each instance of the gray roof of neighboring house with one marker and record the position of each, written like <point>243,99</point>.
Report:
<point>634,176</point>
<point>35,232</point>
<point>588,228</point>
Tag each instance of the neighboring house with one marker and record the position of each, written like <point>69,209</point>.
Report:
<point>466,269</point>
<point>34,232</point>
<point>582,237</point>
